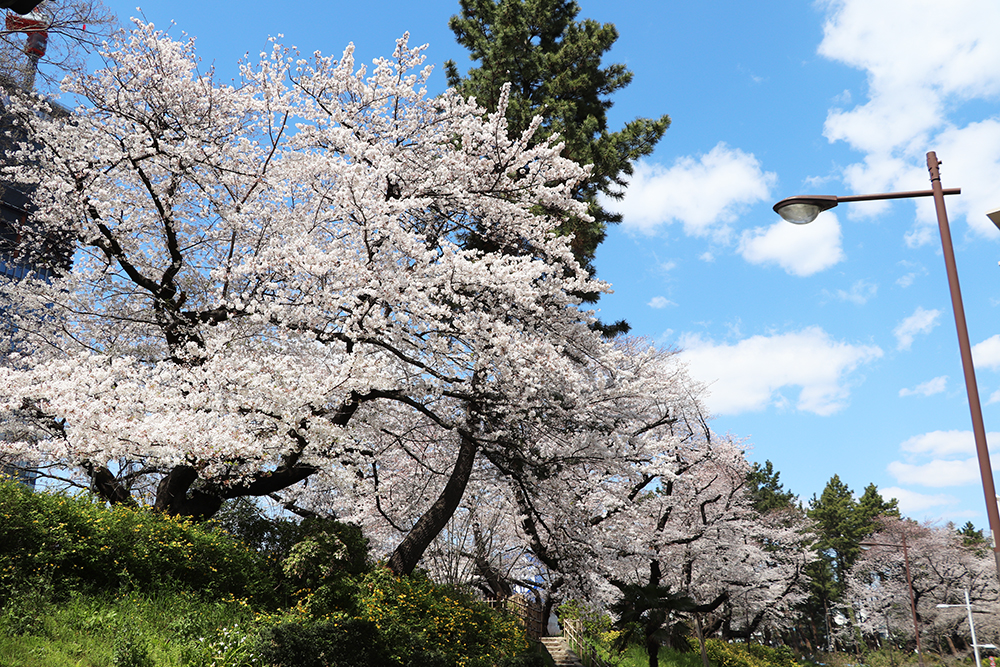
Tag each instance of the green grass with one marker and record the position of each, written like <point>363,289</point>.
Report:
<point>635,656</point>
<point>171,629</point>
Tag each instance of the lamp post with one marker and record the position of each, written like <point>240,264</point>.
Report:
<point>909,584</point>
<point>972,626</point>
<point>802,210</point>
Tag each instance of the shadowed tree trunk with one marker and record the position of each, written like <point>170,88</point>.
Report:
<point>411,549</point>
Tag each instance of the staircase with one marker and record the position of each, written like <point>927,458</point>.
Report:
<point>563,657</point>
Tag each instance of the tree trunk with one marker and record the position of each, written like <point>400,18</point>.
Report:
<point>104,484</point>
<point>498,584</point>
<point>406,556</point>
<point>652,650</point>
<point>701,640</point>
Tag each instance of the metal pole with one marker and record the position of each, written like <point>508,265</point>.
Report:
<point>972,627</point>
<point>979,431</point>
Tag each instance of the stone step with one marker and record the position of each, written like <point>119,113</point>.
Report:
<point>561,655</point>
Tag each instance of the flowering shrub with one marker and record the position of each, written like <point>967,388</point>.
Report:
<point>439,619</point>
<point>398,621</point>
<point>78,543</point>
<point>725,654</point>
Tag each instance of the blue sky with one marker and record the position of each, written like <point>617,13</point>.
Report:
<point>829,348</point>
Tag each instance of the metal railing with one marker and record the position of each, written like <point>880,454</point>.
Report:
<point>577,642</point>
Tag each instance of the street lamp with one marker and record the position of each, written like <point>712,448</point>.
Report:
<point>972,626</point>
<point>802,210</point>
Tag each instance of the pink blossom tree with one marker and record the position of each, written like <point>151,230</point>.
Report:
<point>942,566</point>
<point>320,284</point>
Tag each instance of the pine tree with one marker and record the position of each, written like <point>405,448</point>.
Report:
<point>842,523</point>
<point>554,65</point>
<point>766,490</point>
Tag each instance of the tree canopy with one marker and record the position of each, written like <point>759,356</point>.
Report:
<point>553,62</point>
<point>273,295</point>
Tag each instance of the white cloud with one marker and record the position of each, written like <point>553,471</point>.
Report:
<point>940,458</point>
<point>660,302</point>
<point>920,322</point>
<point>861,291</point>
<point>800,250</point>
<point>987,353</point>
<point>908,279</point>
<point>704,193</point>
<point>911,502</point>
<point>923,67</point>
<point>941,443</point>
<point>749,375</point>
<point>929,388</point>
<point>936,473</point>
<point>913,52</point>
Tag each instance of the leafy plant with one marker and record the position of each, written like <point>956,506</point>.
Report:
<point>340,642</point>
<point>422,619</point>
<point>725,654</point>
<point>130,648</point>
<point>78,543</point>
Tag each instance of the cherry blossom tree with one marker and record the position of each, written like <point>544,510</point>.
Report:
<point>942,567</point>
<point>670,518</point>
<point>697,536</point>
<point>274,293</point>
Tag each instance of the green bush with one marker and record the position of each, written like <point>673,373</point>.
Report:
<point>421,618</point>
<point>132,588</point>
<point>725,654</point>
<point>327,565</point>
<point>344,642</point>
<point>525,660</point>
<point>399,621</point>
<point>79,544</point>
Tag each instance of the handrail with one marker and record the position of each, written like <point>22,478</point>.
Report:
<point>576,641</point>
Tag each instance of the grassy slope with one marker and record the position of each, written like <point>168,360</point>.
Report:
<point>172,629</point>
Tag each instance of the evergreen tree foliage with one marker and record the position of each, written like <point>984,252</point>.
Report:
<point>972,537</point>
<point>841,524</point>
<point>766,490</point>
<point>553,62</point>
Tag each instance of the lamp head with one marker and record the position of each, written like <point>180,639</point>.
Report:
<point>803,210</point>
<point>994,216</point>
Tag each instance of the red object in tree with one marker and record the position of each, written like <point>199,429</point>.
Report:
<point>37,41</point>
<point>37,31</point>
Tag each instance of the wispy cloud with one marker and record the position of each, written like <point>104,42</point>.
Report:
<point>752,374</point>
<point>939,459</point>
<point>912,503</point>
<point>660,302</point>
<point>937,473</point>
<point>940,443</point>
<point>860,293</point>
<point>920,322</point>
<point>929,388</point>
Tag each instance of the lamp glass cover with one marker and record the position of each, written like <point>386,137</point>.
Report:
<point>799,213</point>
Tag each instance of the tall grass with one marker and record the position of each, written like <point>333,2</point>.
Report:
<point>132,630</point>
